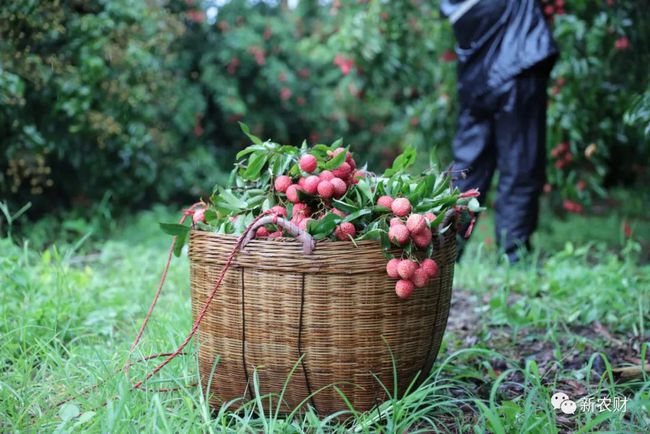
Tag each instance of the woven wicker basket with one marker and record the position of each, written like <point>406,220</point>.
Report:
<point>336,309</point>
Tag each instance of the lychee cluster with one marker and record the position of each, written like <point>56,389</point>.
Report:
<point>411,275</point>
<point>316,188</point>
<point>407,226</point>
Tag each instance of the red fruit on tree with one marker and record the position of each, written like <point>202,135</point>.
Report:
<point>308,163</point>
<point>301,209</point>
<point>396,221</point>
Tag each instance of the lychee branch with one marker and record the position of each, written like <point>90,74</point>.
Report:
<point>306,239</point>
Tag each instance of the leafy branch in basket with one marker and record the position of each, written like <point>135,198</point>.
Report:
<point>321,190</point>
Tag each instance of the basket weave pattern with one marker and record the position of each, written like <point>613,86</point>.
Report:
<point>336,309</point>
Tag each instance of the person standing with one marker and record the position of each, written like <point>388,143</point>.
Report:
<point>505,55</point>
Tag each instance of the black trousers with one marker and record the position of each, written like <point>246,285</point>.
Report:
<point>506,132</point>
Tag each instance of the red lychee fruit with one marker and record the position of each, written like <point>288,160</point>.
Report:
<point>391,268</point>
<point>292,193</point>
<point>199,215</point>
<point>325,189</point>
<point>308,163</point>
<point>416,223</point>
<point>326,175</point>
<point>340,187</point>
<point>401,207</point>
<point>406,268</point>
<point>282,183</point>
<point>276,234</point>
<point>301,209</point>
<point>385,201</point>
<point>303,223</point>
<point>343,171</point>
<point>430,266</point>
<point>431,217</point>
<point>338,212</point>
<point>398,234</point>
<point>422,239</point>
<point>420,277</point>
<point>404,288</point>
<point>311,184</point>
<point>396,221</point>
<point>279,210</point>
<point>261,232</point>
<point>344,231</point>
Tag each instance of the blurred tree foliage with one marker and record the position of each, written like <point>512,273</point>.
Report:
<point>131,101</point>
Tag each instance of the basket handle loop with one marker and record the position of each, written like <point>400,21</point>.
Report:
<point>308,243</point>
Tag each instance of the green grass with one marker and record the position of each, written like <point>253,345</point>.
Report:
<point>517,334</point>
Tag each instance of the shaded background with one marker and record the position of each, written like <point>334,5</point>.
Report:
<point>110,106</point>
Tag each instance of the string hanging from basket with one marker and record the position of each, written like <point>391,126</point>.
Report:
<point>266,217</point>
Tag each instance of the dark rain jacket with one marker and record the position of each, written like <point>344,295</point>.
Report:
<point>497,40</point>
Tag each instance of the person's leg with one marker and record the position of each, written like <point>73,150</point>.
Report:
<point>474,159</point>
<point>520,136</point>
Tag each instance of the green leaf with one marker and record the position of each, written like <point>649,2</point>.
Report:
<point>247,131</point>
<point>255,164</point>
<point>336,161</point>
<point>343,206</point>
<point>356,215</point>
<point>374,234</point>
<point>174,229</point>
<point>180,242</point>
<point>402,162</point>
<point>324,227</point>
<point>474,205</point>
<point>69,411</point>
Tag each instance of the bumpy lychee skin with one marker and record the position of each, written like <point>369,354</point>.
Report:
<point>301,182</point>
<point>344,231</point>
<point>326,175</point>
<point>343,171</point>
<point>340,187</point>
<point>311,184</point>
<point>308,163</point>
<point>385,201</point>
<point>398,234</point>
<point>282,183</point>
<point>279,210</point>
<point>401,207</point>
<point>422,239</point>
<point>325,189</point>
<point>406,268</point>
<point>199,215</point>
<point>396,221</point>
<point>276,234</point>
<point>391,268</point>
<point>301,209</point>
<point>420,278</point>
<point>430,217</point>
<point>338,212</point>
<point>357,176</point>
<point>292,193</point>
<point>430,266</point>
<point>404,288</point>
<point>416,223</point>
<point>261,232</point>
